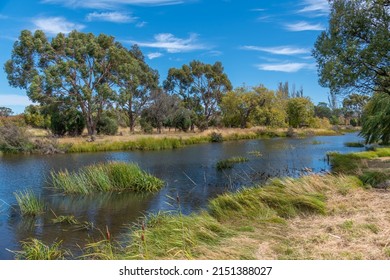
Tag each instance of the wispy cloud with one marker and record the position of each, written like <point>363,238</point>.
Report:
<point>154,55</point>
<point>258,10</point>
<point>315,7</point>
<point>3,16</point>
<point>304,26</point>
<point>14,100</point>
<point>55,25</point>
<point>117,17</point>
<point>111,4</point>
<point>290,67</point>
<point>173,44</point>
<point>281,50</point>
<point>141,24</point>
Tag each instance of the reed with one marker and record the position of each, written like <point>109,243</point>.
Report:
<point>229,163</point>
<point>106,177</point>
<point>29,203</point>
<point>34,249</point>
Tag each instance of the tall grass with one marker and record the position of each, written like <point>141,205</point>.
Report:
<point>29,203</point>
<point>106,177</point>
<point>34,249</point>
<point>228,163</point>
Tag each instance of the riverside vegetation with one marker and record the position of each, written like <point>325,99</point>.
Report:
<point>333,216</point>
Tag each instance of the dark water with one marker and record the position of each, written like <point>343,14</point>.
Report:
<point>189,173</point>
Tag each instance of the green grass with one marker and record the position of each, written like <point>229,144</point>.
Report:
<point>373,178</point>
<point>34,249</point>
<point>106,177</point>
<point>354,144</point>
<point>69,219</point>
<point>229,163</point>
<point>29,203</point>
<point>175,236</point>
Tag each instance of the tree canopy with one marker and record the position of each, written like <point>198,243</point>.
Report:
<point>353,53</point>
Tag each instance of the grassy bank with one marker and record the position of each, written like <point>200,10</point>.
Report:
<point>255,223</point>
<point>178,140</point>
<point>106,177</point>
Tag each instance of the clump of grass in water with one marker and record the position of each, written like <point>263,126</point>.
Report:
<point>29,203</point>
<point>112,176</point>
<point>255,153</point>
<point>34,249</point>
<point>229,163</point>
<point>354,144</point>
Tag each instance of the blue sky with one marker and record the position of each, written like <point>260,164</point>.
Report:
<point>257,41</point>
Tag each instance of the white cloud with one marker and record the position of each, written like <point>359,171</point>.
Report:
<point>154,55</point>
<point>14,100</point>
<point>141,24</point>
<point>111,4</point>
<point>315,7</point>
<point>304,26</point>
<point>282,50</point>
<point>258,10</point>
<point>55,25</point>
<point>173,44</point>
<point>289,67</point>
<point>117,17</point>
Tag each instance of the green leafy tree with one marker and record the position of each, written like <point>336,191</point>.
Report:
<point>376,119</point>
<point>353,53</point>
<point>136,80</point>
<point>37,116</point>
<point>322,111</point>
<point>201,86</point>
<point>353,106</point>
<point>77,69</point>
<point>300,111</point>
<point>5,112</point>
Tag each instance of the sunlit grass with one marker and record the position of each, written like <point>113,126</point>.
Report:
<point>29,203</point>
<point>229,163</point>
<point>107,177</point>
<point>34,249</point>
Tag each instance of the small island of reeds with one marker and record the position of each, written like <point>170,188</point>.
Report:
<point>106,177</point>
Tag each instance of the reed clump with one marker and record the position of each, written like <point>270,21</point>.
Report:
<point>29,203</point>
<point>34,249</point>
<point>229,163</point>
<point>106,177</point>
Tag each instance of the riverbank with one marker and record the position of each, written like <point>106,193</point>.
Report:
<point>173,140</point>
<point>313,217</point>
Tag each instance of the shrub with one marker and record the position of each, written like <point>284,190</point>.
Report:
<point>216,137</point>
<point>107,126</point>
<point>66,120</point>
<point>14,139</point>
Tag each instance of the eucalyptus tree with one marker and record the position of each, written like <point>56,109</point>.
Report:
<point>201,86</point>
<point>78,69</point>
<point>136,80</point>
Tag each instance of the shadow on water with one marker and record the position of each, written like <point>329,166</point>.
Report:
<point>189,173</point>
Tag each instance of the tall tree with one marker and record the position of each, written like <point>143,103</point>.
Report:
<point>354,104</point>
<point>77,69</point>
<point>201,86</point>
<point>300,111</point>
<point>353,54</point>
<point>136,81</point>
<point>5,112</point>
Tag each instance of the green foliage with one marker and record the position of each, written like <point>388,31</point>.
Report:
<point>354,144</point>
<point>376,119</point>
<point>229,163</point>
<point>5,112</point>
<point>322,111</point>
<point>14,139</point>
<point>374,178</point>
<point>353,52</point>
<point>353,106</point>
<point>107,126</point>
<point>66,120</point>
<point>112,176</point>
<point>35,117</point>
<point>216,137</point>
<point>300,111</point>
<point>34,249</point>
<point>201,87</point>
<point>29,203</point>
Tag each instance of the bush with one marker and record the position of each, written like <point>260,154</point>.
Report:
<point>146,126</point>
<point>66,121</point>
<point>107,126</point>
<point>14,139</point>
<point>182,119</point>
<point>216,137</point>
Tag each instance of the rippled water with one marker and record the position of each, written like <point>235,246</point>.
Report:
<point>189,173</point>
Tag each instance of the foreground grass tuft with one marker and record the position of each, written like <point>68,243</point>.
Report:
<point>29,203</point>
<point>35,249</point>
<point>112,176</point>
